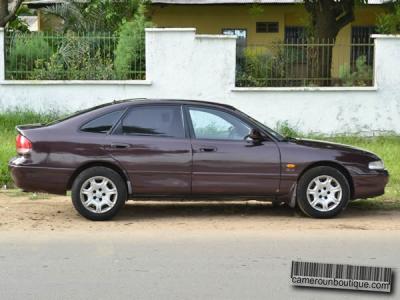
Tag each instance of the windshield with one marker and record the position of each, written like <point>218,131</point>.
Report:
<point>264,127</point>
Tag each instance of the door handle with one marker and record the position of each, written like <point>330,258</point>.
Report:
<point>119,146</point>
<point>208,149</point>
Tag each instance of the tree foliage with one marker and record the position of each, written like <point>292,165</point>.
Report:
<point>131,45</point>
<point>94,15</point>
<point>389,23</point>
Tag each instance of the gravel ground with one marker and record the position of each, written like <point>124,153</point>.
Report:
<point>21,212</point>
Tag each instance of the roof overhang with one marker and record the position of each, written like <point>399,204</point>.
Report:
<point>197,2</point>
<point>44,3</point>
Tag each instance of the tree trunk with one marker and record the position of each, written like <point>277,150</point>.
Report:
<point>3,12</point>
<point>327,18</point>
<point>321,50</point>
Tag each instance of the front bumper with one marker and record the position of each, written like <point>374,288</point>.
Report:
<point>39,179</point>
<point>370,185</point>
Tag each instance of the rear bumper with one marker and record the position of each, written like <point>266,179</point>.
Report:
<point>40,179</point>
<point>370,185</point>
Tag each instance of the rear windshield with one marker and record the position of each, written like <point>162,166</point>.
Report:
<point>77,113</point>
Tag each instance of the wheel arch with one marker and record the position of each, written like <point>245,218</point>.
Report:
<point>105,164</point>
<point>335,165</point>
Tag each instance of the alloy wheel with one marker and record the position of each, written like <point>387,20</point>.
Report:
<point>324,193</point>
<point>98,194</point>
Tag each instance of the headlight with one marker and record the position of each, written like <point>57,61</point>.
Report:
<point>376,165</point>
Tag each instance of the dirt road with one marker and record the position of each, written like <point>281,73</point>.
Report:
<point>20,213</point>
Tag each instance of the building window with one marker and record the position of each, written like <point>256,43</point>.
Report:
<point>267,27</point>
<point>362,44</point>
<point>294,33</point>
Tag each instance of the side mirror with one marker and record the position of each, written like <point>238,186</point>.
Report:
<point>256,135</point>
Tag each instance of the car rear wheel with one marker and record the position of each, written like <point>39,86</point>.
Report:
<point>323,192</point>
<point>98,193</point>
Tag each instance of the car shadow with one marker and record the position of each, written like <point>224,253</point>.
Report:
<point>172,209</point>
<point>200,209</point>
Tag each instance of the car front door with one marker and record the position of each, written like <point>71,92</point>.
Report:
<point>151,144</point>
<point>225,161</point>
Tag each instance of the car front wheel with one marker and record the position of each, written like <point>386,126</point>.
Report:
<point>98,193</point>
<point>323,192</point>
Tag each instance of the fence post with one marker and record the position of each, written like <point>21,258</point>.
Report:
<point>387,62</point>
<point>2,54</point>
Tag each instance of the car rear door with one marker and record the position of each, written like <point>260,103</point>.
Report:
<point>150,143</point>
<point>224,161</point>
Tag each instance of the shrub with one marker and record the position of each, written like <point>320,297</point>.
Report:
<point>361,76</point>
<point>75,59</point>
<point>284,128</point>
<point>88,68</point>
<point>26,49</point>
<point>261,67</point>
<point>389,23</point>
<point>129,54</point>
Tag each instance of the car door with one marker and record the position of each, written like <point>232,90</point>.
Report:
<point>225,161</point>
<point>151,144</point>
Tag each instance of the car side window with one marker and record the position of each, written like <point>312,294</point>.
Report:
<point>215,124</point>
<point>102,124</point>
<point>163,120</point>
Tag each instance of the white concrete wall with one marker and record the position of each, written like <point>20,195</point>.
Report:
<point>183,65</point>
<point>2,54</point>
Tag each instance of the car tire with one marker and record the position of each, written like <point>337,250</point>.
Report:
<point>323,192</point>
<point>98,193</point>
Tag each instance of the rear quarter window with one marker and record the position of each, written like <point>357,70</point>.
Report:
<point>102,124</point>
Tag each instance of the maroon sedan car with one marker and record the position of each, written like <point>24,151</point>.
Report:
<point>168,148</point>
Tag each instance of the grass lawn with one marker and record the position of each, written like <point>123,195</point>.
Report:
<point>8,121</point>
<point>7,150</point>
<point>387,147</point>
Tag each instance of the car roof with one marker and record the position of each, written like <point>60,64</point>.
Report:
<point>169,101</point>
<point>81,115</point>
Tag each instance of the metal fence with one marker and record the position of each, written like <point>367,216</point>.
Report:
<point>72,56</point>
<point>302,62</point>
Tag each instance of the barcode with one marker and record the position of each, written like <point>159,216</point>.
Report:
<point>312,269</point>
<point>341,276</point>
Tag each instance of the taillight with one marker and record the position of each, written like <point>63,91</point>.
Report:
<point>24,145</point>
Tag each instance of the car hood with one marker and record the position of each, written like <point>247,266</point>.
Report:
<point>332,146</point>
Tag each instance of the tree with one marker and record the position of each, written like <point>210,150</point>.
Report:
<point>94,15</point>
<point>327,18</point>
<point>8,14</point>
